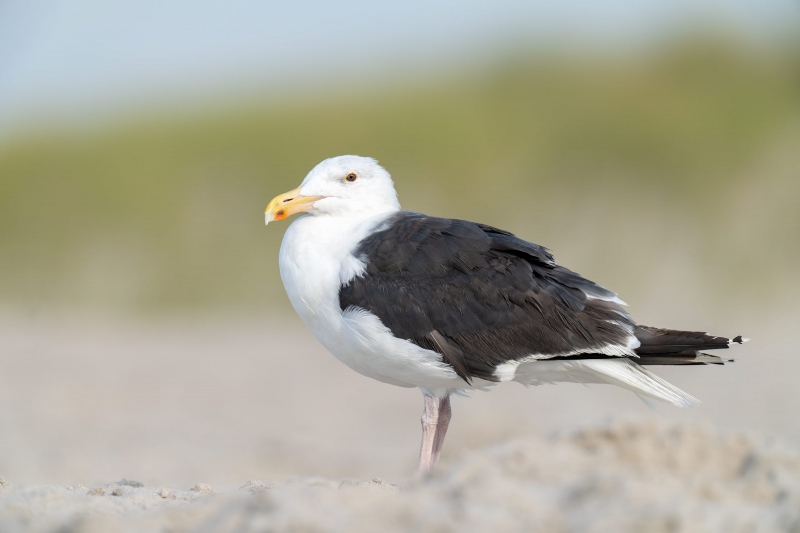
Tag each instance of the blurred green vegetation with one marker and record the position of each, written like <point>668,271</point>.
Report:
<point>695,148</point>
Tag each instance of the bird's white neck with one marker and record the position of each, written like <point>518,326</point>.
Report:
<point>316,259</point>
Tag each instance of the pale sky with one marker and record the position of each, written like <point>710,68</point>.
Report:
<point>80,57</point>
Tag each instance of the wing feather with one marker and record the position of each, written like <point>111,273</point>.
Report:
<point>481,297</point>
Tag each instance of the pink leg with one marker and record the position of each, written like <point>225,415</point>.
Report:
<point>441,430</point>
<point>435,419</point>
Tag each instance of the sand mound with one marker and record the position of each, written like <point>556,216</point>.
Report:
<point>621,477</point>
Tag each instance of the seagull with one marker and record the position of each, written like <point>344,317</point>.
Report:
<point>449,306</point>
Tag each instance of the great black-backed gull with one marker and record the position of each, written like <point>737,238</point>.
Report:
<point>448,305</point>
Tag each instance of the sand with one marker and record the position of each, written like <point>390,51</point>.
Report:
<point>248,425</point>
<point>632,476</point>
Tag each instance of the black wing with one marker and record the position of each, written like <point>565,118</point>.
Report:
<point>480,296</point>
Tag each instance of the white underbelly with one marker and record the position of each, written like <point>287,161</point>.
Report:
<point>368,347</point>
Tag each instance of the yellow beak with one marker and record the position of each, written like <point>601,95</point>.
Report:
<point>288,204</point>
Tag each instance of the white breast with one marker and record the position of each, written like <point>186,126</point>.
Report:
<point>315,260</point>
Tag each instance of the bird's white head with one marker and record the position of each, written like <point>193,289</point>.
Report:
<point>347,185</point>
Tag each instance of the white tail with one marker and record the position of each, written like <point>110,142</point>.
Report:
<point>615,371</point>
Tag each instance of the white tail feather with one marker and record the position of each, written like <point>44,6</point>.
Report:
<point>617,371</point>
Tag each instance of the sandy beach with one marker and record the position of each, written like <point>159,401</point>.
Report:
<point>247,425</point>
<point>634,476</point>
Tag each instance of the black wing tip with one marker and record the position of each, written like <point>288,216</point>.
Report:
<point>739,339</point>
<point>683,359</point>
<point>709,359</point>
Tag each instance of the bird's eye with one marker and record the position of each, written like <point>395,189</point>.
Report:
<point>351,177</point>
